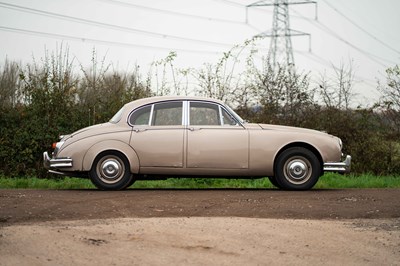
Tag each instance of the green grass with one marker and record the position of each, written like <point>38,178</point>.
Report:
<point>38,183</point>
<point>328,181</point>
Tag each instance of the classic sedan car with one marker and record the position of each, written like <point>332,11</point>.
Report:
<point>162,137</point>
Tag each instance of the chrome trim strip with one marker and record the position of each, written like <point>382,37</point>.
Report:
<point>339,167</point>
<point>58,173</point>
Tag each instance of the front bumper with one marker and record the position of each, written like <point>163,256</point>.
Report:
<point>55,163</point>
<point>339,167</point>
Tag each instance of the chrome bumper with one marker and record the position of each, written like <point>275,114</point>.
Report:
<point>339,167</point>
<point>55,163</point>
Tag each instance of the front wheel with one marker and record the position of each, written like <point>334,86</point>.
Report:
<point>111,171</point>
<point>273,181</point>
<point>297,169</point>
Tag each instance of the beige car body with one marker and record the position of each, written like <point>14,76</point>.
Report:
<point>239,150</point>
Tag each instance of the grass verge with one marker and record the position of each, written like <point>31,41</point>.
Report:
<point>328,181</point>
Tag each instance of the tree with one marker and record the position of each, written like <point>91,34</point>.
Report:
<point>390,99</point>
<point>337,93</point>
<point>9,84</point>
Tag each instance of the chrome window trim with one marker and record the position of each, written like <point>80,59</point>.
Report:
<point>186,112</point>
<point>151,115</point>
<point>152,112</point>
<point>221,119</point>
<point>185,115</point>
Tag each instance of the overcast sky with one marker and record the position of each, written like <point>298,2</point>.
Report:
<point>142,31</point>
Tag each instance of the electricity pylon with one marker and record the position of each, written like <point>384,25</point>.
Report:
<point>281,50</point>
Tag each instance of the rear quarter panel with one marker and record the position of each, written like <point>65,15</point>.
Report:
<point>83,151</point>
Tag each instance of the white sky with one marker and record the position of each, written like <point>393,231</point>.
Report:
<point>142,31</point>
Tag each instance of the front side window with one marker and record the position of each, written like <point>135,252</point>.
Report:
<point>209,114</point>
<point>204,114</point>
<point>227,119</point>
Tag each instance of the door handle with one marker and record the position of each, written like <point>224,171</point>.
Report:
<point>194,129</point>
<point>137,130</point>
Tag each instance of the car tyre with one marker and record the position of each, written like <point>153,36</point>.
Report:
<point>130,183</point>
<point>111,171</point>
<point>273,181</point>
<point>297,168</point>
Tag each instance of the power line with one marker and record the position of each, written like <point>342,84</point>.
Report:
<point>84,39</point>
<point>325,28</point>
<point>371,56</point>
<point>318,59</point>
<point>106,25</point>
<point>361,28</point>
<point>170,12</point>
<point>232,3</point>
<point>328,30</point>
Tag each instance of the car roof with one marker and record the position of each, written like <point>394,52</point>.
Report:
<point>144,101</point>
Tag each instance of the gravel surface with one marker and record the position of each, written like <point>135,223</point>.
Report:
<point>200,227</point>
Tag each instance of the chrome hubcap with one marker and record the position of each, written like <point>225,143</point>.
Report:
<point>297,170</point>
<point>110,169</point>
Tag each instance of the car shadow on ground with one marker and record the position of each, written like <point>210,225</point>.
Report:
<point>208,189</point>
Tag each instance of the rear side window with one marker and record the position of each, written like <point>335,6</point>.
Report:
<point>141,116</point>
<point>167,114</point>
<point>162,114</point>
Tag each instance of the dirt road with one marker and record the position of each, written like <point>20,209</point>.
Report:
<point>217,227</point>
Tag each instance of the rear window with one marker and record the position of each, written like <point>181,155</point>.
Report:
<point>117,117</point>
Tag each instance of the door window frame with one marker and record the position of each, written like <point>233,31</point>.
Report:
<point>220,107</point>
<point>186,115</point>
<point>149,124</point>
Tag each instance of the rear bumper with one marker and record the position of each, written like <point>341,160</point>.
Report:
<point>55,163</point>
<point>339,167</point>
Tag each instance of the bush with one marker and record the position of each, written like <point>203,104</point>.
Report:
<point>45,99</point>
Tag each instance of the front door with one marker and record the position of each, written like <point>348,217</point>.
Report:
<point>215,139</point>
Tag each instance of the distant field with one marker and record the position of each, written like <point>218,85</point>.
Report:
<point>329,181</point>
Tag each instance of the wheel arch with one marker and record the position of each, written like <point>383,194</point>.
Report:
<point>111,145</point>
<point>302,145</point>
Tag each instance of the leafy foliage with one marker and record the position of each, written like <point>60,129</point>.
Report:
<point>54,101</point>
<point>47,98</point>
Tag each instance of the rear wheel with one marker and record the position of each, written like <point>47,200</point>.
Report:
<point>111,171</point>
<point>130,183</point>
<point>297,169</point>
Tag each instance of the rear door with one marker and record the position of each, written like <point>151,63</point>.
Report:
<point>158,134</point>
